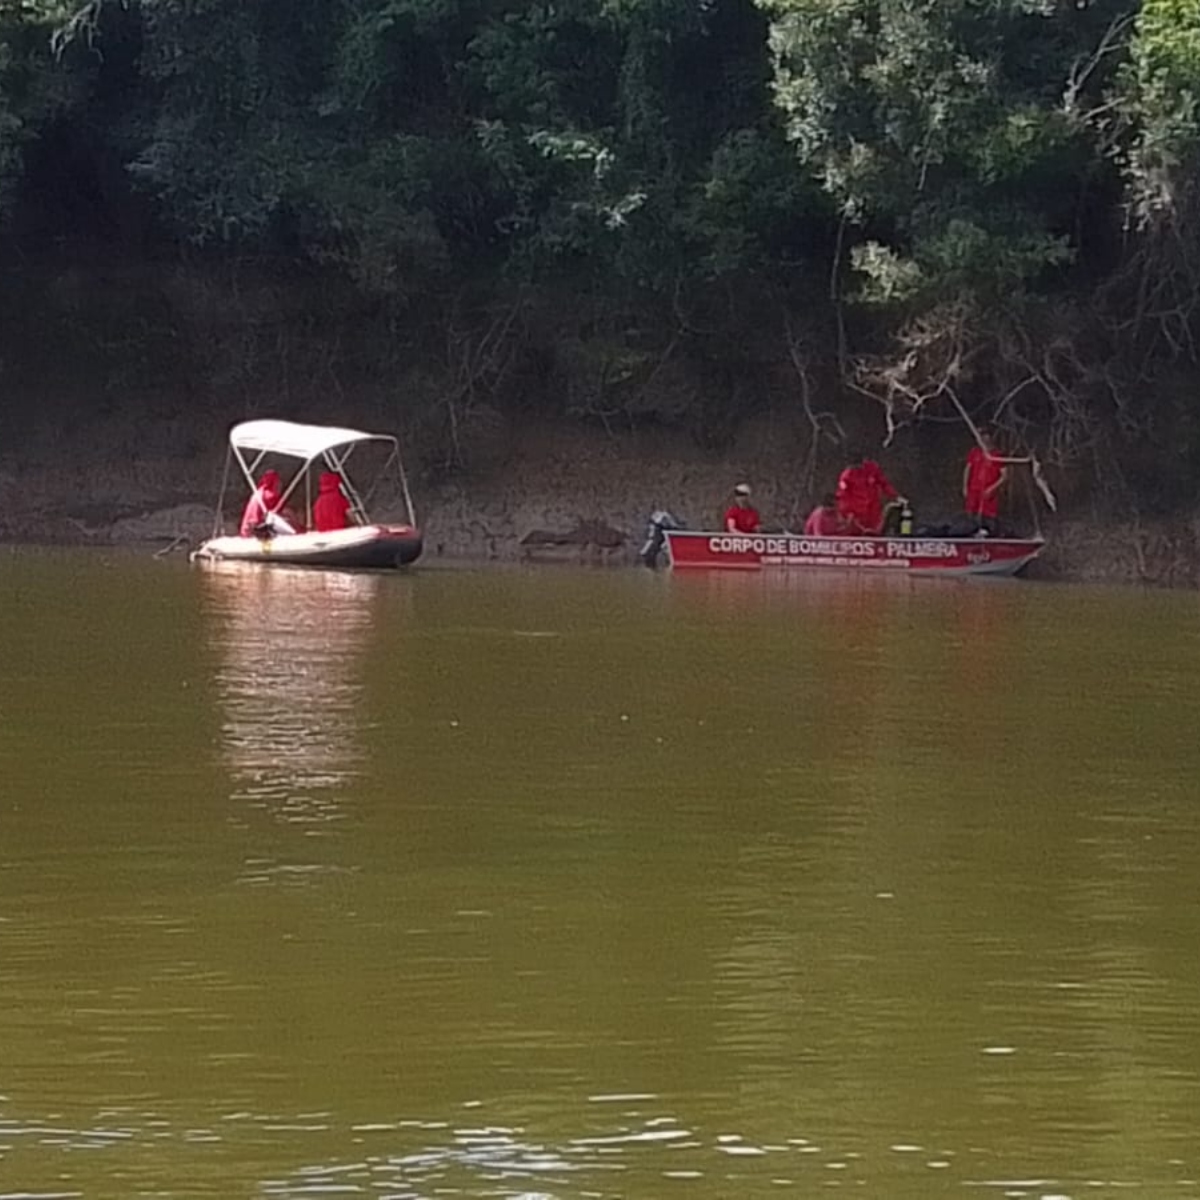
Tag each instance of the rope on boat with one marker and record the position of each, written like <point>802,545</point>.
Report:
<point>218,515</point>
<point>181,540</point>
<point>412,516</point>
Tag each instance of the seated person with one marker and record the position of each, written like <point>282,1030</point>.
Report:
<point>740,517</point>
<point>331,509</point>
<point>265,510</point>
<point>824,520</point>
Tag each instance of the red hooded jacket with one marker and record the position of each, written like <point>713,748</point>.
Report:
<point>331,509</point>
<point>860,493</point>
<point>984,472</point>
<point>264,499</point>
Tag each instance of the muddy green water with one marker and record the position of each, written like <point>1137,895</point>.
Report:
<point>561,884</point>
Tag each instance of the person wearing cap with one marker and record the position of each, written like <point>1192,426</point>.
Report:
<point>741,517</point>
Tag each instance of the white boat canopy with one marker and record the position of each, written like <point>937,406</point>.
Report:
<point>250,442</point>
<point>295,440</point>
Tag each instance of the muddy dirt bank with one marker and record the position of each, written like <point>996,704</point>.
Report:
<point>558,483</point>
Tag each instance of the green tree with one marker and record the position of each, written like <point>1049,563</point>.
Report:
<point>32,87</point>
<point>1162,95</point>
<point>946,130</point>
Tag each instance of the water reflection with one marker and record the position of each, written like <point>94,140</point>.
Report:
<point>290,646</point>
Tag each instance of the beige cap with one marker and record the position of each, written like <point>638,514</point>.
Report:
<point>742,489</point>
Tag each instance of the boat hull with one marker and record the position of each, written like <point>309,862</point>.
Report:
<point>369,547</point>
<point>795,552</point>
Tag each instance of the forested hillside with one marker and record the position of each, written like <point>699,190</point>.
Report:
<point>677,212</point>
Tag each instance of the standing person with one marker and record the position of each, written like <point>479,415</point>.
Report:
<point>984,474</point>
<point>861,490</point>
<point>824,521</point>
<point>741,517</point>
<point>331,509</point>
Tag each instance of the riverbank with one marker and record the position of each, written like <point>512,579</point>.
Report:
<point>593,490</point>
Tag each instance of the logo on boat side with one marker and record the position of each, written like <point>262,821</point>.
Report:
<point>735,544</point>
<point>906,548</point>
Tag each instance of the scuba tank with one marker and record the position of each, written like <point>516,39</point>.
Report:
<point>906,520</point>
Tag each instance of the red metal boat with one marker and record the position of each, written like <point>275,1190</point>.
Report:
<point>793,552</point>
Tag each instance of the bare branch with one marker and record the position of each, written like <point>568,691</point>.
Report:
<point>819,422</point>
<point>1084,67</point>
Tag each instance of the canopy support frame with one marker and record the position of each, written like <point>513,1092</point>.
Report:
<point>335,461</point>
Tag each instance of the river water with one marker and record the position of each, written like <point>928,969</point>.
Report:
<point>564,884</point>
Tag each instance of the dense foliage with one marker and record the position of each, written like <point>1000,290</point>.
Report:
<point>986,206</point>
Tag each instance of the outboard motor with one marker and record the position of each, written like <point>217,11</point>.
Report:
<point>659,522</point>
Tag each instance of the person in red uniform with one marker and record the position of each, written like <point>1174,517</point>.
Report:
<point>824,521</point>
<point>331,509</point>
<point>861,490</point>
<point>265,508</point>
<point>741,517</point>
<point>983,476</point>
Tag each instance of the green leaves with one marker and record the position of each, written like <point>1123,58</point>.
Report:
<point>923,151</point>
<point>924,122</point>
<point>32,82</point>
<point>1162,94</point>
